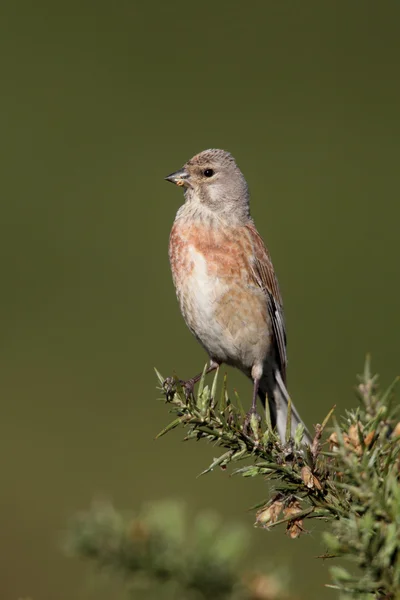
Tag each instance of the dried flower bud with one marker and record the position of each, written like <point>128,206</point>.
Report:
<point>347,442</point>
<point>264,516</point>
<point>317,483</point>
<point>307,476</point>
<point>369,438</point>
<point>396,430</point>
<point>269,514</point>
<point>333,441</point>
<point>292,509</point>
<point>354,435</point>
<point>295,528</point>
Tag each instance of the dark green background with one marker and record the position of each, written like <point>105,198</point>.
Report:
<point>99,101</point>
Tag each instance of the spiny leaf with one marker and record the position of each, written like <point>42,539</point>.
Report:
<point>239,403</point>
<point>224,395</point>
<point>160,378</point>
<point>202,380</point>
<point>214,388</point>
<point>170,427</point>
<point>223,459</point>
<point>328,416</point>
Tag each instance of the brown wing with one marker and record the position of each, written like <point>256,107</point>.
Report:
<point>264,276</point>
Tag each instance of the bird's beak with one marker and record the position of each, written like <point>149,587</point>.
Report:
<point>179,177</point>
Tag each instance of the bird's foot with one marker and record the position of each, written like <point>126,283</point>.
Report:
<point>252,424</point>
<point>188,387</point>
<point>170,385</point>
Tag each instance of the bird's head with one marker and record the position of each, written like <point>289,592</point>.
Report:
<point>213,180</point>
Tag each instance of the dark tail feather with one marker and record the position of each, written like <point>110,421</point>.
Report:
<point>275,390</point>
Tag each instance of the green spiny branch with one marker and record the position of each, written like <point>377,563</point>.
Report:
<point>350,478</point>
<point>164,552</point>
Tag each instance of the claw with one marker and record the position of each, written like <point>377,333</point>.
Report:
<point>188,387</point>
<point>169,387</point>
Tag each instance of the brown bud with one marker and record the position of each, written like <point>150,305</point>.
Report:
<point>368,438</point>
<point>264,516</point>
<point>309,479</point>
<point>292,509</point>
<point>333,441</point>
<point>347,442</point>
<point>307,476</point>
<point>295,528</point>
<point>396,430</point>
<point>353,434</point>
<point>269,514</point>
<point>317,483</point>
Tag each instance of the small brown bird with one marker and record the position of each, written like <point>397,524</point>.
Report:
<point>225,282</point>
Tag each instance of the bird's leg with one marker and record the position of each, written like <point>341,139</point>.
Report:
<point>252,420</point>
<point>189,384</point>
<point>255,393</point>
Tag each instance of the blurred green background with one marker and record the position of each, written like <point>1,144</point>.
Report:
<point>99,101</point>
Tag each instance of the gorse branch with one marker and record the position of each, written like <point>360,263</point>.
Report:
<point>163,552</point>
<point>351,479</point>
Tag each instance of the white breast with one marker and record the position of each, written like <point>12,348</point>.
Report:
<point>204,288</point>
<point>220,314</point>
<point>199,303</point>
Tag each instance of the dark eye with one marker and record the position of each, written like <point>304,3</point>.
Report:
<point>208,173</point>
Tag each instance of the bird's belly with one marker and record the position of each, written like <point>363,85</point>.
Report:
<point>227,316</point>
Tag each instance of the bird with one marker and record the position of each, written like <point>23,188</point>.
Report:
<point>225,282</point>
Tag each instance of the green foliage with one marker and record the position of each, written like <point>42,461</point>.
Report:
<point>368,457</point>
<point>351,480</point>
<point>163,552</point>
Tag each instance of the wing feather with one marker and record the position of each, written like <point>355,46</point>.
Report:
<point>264,275</point>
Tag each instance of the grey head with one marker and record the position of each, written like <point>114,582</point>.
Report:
<point>213,182</point>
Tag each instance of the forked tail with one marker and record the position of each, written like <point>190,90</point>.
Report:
<point>278,400</point>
